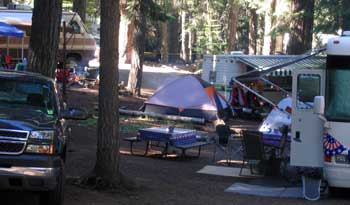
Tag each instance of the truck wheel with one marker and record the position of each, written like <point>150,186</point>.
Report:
<point>55,196</point>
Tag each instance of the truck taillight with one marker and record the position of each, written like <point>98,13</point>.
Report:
<point>327,158</point>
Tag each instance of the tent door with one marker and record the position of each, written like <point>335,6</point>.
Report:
<point>307,128</point>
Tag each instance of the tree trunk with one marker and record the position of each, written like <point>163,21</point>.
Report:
<point>253,32</point>
<point>123,33</point>
<point>173,36</point>
<point>184,38</point>
<point>261,33</point>
<point>44,44</point>
<point>267,29</point>
<point>345,24</point>
<point>232,26</point>
<point>129,44</point>
<point>208,33</point>
<point>301,27</point>
<point>135,75</point>
<point>164,42</point>
<point>126,30</point>
<point>273,25</point>
<point>190,45</point>
<point>107,156</point>
<point>79,6</point>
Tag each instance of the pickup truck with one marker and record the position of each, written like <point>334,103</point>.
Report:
<point>33,135</point>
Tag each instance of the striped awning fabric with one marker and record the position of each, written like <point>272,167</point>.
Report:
<point>265,62</point>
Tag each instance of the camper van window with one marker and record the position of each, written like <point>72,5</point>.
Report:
<point>308,87</point>
<point>75,26</point>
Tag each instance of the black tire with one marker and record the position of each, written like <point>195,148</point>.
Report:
<point>55,196</point>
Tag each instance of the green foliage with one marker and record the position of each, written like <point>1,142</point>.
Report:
<point>209,20</point>
<point>327,15</point>
<point>153,11</point>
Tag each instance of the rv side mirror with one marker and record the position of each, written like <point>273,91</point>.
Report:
<point>319,105</point>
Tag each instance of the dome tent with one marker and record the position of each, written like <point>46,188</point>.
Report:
<point>188,96</point>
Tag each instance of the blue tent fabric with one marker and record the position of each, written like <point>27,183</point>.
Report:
<point>9,30</point>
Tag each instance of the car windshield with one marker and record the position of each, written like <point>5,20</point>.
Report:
<point>27,95</point>
<point>338,87</point>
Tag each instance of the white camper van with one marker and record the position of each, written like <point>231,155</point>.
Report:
<point>321,115</point>
<point>81,45</point>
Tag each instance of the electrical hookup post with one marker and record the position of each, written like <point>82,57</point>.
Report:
<point>65,77</point>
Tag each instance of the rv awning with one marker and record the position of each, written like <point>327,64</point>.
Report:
<point>261,62</point>
<point>282,65</point>
<point>9,30</point>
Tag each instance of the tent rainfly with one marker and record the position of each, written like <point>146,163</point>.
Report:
<point>188,96</point>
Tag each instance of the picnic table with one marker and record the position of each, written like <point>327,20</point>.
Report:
<point>166,137</point>
<point>273,139</point>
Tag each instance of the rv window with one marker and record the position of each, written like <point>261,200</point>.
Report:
<point>308,87</point>
<point>75,26</point>
<point>338,95</point>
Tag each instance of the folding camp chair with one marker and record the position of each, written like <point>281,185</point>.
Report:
<point>253,150</point>
<point>280,152</point>
<point>225,143</point>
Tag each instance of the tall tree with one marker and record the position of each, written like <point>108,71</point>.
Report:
<point>273,25</point>
<point>232,25</point>
<point>44,44</point>
<point>173,33</point>
<point>79,6</point>
<point>139,7</point>
<point>253,31</point>
<point>184,35</point>
<point>164,34</point>
<point>268,26</point>
<point>138,12</point>
<point>125,39</point>
<point>261,30</point>
<point>243,30</point>
<point>107,156</point>
<point>164,46</point>
<point>301,26</point>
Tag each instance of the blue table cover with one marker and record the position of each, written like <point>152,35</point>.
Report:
<point>179,136</point>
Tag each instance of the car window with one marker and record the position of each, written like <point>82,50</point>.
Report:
<point>27,95</point>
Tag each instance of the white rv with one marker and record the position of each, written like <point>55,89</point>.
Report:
<point>220,69</point>
<point>321,115</point>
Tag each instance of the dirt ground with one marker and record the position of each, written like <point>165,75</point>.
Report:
<point>160,181</point>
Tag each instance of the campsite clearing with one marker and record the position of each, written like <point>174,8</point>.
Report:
<point>160,181</point>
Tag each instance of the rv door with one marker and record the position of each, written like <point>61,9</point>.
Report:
<point>307,128</point>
